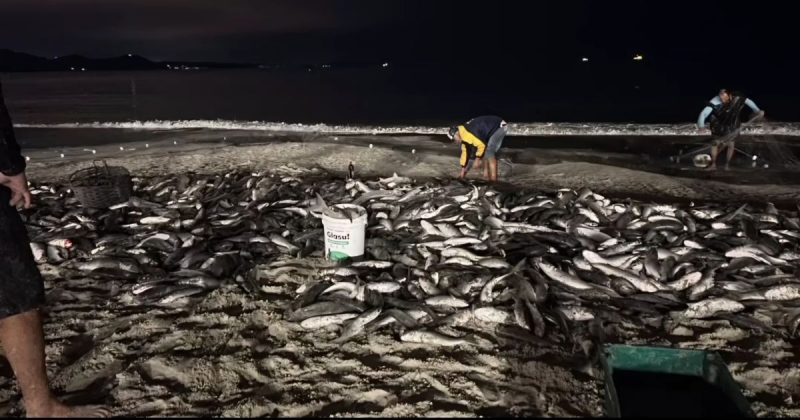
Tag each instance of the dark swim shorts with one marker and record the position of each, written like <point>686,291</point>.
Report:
<point>725,139</point>
<point>21,284</point>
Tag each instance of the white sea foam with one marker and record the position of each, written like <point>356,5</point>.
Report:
<point>518,129</point>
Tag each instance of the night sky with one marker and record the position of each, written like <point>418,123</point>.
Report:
<point>528,33</point>
<point>448,58</point>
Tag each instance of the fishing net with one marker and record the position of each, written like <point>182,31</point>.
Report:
<point>772,151</point>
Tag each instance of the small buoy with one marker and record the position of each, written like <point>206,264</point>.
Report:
<point>370,145</point>
<point>94,151</point>
<point>336,138</point>
<point>146,145</point>
<point>174,141</point>
<point>27,158</point>
<point>62,155</point>
<point>766,165</point>
<point>702,160</point>
<point>121,148</point>
<point>413,151</point>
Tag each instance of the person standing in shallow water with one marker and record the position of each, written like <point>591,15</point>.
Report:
<point>725,111</point>
<point>22,288</point>
<point>480,139</point>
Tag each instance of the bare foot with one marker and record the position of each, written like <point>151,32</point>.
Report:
<point>57,409</point>
<point>711,168</point>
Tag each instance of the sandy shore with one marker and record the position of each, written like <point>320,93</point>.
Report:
<point>228,354</point>
<point>205,151</point>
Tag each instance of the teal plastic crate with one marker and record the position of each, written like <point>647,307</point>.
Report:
<point>665,382</point>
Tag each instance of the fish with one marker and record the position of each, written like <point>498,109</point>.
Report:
<point>446,301</point>
<point>688,280</point>
<point>434,338</point>
<point>356,326</point>
<point>492,314</point>
<point>323,308</point>
<point>710,307</point>
<point>563,278</point>
<point>438,255</point>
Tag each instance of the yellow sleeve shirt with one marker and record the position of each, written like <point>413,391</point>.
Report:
<point>468,138</point>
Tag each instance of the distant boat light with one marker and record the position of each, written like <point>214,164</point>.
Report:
<point>638,57</point>
<point>585,59</point>
<point>384,65</point>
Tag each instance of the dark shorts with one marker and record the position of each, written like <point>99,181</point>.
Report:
<point>21,284</point>
<point>725,139</point>
<point>495,142</point>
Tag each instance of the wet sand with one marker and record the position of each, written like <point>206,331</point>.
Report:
<point>228,354</point>
<point>618,167</point>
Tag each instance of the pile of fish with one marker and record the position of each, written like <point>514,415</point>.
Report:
<point>439,254</point>
<point>178,236</point>
<point>442,255</point>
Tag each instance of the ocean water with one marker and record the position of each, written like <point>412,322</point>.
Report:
<point>392,96</point>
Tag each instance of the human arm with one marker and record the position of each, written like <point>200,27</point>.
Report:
<point>11,160</point>
<point>12,164</point>
<point>18,184</point>
<point>749,102</point>
<point>701,120</point>
<point>757,112</point>
<point>464,161</point>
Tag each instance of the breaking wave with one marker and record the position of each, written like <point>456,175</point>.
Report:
<point>519,129</point>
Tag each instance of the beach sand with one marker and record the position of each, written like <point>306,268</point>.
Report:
<point>229,354</point>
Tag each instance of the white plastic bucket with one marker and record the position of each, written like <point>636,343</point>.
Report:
<point>344,238</point>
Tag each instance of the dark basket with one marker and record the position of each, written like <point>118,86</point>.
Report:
<point>101,186</point>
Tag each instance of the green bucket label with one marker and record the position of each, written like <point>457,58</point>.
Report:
<point>338,256</point>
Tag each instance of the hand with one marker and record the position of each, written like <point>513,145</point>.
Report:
<point>18,184</point>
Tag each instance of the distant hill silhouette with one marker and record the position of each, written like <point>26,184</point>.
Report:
<point>12,61</point>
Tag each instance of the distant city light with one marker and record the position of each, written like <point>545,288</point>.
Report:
<point>585,59</point>
<point>72,68</point>
<point>638,57</point>
<point>384,65</point>
<point>130,55</point>
<point>83,68</point>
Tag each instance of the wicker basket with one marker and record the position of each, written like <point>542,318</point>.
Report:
<point>101,186</point>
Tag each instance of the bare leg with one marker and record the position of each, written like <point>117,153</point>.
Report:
<point>23,342</point>
<point>731,150</point>
<point>714,154</point>
<point>493,162</point>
